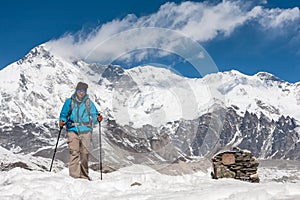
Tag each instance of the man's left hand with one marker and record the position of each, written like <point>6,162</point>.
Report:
<point>99,118</point>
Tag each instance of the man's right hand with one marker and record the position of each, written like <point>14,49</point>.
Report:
<point>61,123</point>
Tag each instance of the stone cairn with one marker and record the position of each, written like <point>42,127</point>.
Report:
<point>236,163</point>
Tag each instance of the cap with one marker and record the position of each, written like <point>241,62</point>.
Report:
<point>82,86</point>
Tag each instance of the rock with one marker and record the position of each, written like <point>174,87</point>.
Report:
<point>9,166</point>
<point>136,184</point>
<point>237,164</point>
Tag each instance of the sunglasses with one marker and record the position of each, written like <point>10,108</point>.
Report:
<point>81,91</point>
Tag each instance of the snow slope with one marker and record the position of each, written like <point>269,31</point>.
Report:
<point>22,184</point>
<point>279,179</point>
<point>164,96</point>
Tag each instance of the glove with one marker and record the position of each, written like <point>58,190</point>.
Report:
<point>99,118</point>
<point>61,123</point>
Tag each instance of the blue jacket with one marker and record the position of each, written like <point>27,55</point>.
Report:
<point>79,115</point>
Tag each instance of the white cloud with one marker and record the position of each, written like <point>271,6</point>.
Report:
<point>278,18</point>
<point>198,21</point>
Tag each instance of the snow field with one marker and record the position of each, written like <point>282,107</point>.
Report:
<point>23,184</point>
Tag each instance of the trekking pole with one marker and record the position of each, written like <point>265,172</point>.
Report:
<point>100,146</point>
<point>55,148</point>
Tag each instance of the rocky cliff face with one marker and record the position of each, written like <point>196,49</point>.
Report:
<point>206,135</point>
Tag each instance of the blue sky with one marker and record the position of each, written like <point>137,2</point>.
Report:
<point>249,36</point>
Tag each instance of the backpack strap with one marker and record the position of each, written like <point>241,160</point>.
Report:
<point>71,108</point>
<point>88,108</point>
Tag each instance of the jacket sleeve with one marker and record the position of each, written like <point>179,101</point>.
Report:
<point>65,110</point>
<point>93,112</point>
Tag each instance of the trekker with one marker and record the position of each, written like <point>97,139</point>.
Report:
<point>79,114</point>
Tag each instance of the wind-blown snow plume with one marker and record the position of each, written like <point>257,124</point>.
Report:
<point>201,22</point>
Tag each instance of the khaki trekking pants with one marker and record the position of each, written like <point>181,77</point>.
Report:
<point>79,145</point>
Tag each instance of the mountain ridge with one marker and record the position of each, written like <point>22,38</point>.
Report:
<point>151,114</point>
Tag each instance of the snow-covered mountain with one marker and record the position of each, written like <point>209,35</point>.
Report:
<point>33,88</point>
<point>151,114</point>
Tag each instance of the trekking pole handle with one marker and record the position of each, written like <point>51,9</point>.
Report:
<point>99,115</point>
